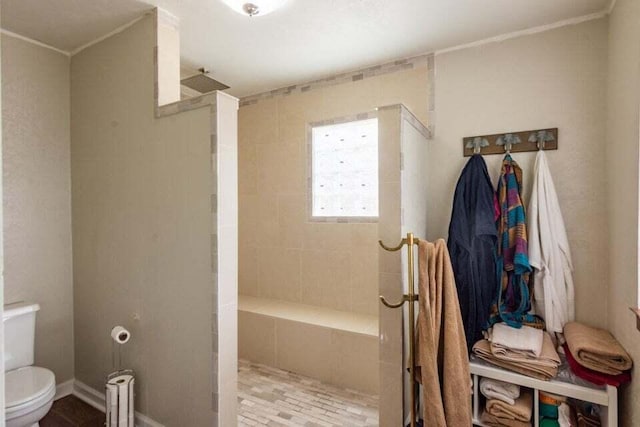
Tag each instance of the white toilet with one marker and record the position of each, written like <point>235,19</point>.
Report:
<point>29,390</point>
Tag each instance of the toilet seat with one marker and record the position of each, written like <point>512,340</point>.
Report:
<point>27,389</point>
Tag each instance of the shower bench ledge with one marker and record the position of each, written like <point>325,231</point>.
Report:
<point>364,324</point>
<point>335,347</point>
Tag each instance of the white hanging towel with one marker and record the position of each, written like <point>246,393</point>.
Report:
<point>549,252</point>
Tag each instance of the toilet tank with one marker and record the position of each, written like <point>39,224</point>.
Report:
<point>19,334</point>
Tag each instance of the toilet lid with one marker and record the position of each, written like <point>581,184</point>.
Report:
<point>26,384</point>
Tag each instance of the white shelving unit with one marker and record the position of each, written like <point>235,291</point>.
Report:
<point>606,397</point>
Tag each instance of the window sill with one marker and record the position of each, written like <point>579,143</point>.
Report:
<point>344,219</point>
<point>636,311</point>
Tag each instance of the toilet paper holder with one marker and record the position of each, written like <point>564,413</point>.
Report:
<point>120,335</point>
<point>119,399</point>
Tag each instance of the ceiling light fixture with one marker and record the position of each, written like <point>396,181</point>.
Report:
<point>254,7</point>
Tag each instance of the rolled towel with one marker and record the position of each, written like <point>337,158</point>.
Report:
<point>526,340</point>
<point>492,421</point>
<point>596,349</point>
<point>494,389</point>
<point>520,411</point>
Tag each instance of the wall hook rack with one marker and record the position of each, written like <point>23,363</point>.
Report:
<point>511,142</point>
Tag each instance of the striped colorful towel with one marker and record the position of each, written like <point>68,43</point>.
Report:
<point>513,267</point>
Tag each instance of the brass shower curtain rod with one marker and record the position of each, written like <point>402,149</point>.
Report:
<point>410,297</point>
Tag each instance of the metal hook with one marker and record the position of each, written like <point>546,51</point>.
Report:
<point>477,144</point>
<point>508,140</point>
<point>405,298</point>
<point>391,305</point>
<point>393,249</point>
<point>541,137</point>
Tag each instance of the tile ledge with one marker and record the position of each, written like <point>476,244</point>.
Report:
<point>364,324</point>
<point>205,100</point>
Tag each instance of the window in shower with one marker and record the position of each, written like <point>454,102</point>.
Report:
<point>344,171</point>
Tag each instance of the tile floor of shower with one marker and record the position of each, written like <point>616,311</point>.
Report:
<point>272,397</point>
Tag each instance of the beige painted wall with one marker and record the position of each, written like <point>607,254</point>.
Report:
<point>141,231</point>
<point>622,186</point>
<point>37,195</point>
<point>551,79</point>
<point>282,254</point>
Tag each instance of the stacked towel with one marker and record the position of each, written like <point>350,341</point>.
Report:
<point>545,367</point>
<point>594,376</point>
<point>596,349</point>
<point>525,341</point>
<point>499,390</point>
<point>499,413</point>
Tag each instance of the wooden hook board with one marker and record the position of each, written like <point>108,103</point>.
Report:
<point>521,147</point>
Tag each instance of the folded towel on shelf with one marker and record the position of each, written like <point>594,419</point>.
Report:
<point>482,350</point>
<point>494,389</point>
<point>526,341</point>
<point>521,410</point>
<point>548,355</point>
<point>594,376</point>
<point>596,349</point>
<point>567,416</point>
<point>492,421</point>
<point>587,418</point>
<point>544,368</point>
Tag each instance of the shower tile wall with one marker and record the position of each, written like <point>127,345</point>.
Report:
<point>282,254</point>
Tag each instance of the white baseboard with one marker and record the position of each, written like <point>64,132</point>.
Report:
<point>96,399</point>
<point>64,389</point>
<point>88,395</point>
<point>144,421</point>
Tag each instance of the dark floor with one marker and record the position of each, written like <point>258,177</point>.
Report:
<point>72,412</point>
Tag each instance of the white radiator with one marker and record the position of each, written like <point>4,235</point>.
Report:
<point>119,399</point>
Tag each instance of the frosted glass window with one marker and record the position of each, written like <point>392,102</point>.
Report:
<point>345,169</point>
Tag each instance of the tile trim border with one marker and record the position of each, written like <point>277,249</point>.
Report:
<point>407,115</point>
<point>351,76</point>
<point>431,100</point>
<point>200,101</point>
